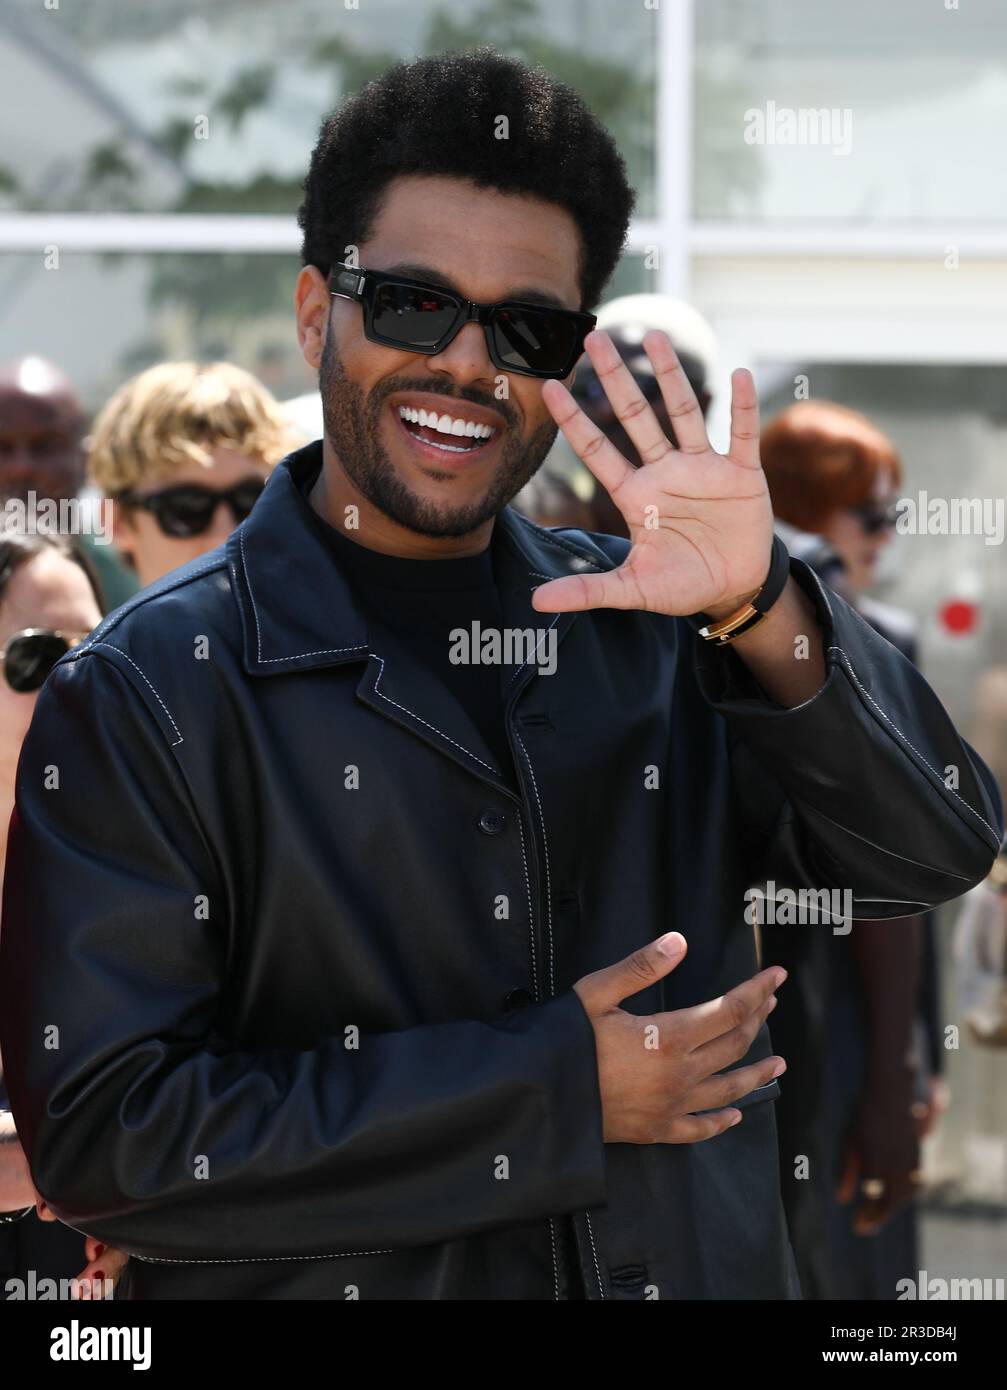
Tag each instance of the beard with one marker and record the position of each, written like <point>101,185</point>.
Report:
<point>352,422</point>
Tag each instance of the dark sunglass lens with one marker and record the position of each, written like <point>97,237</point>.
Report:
<point>30,658</point>
<point>186,512</point>
<point>535,340</point>
<point>414,317</point>
<point>244,498</point>
<point>875,519</point>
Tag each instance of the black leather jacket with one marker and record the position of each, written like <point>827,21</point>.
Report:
<point>286,969</point>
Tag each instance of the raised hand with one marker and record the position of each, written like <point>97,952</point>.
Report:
<point>700,523</point>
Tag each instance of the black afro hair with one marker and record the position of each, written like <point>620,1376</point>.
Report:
<point>439,115</point>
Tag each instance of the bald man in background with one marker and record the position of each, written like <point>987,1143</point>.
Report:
<point>42,426</point>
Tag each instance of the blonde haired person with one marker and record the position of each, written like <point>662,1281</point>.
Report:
<point>183,450</point>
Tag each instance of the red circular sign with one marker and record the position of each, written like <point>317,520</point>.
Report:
<point>959,616</point>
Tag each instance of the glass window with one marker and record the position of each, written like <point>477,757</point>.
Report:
<point>174,105</point>
<point>860,112</point>
<point>104,317</point>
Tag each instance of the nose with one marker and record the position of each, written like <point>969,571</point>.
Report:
<point>466,358</point>
<point>222,523</point>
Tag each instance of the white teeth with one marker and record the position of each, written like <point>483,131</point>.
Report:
<point>446,424</point>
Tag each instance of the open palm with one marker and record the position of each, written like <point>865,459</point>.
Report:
<point>700,523</point>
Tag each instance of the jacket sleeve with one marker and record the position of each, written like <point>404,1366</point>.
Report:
<point>866,786</point>
<point>145,1127</point>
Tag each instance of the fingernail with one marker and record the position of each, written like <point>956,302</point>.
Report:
<point>780,1068</point>
<point>779,978</point>
<point>672,944</point>
<point>736,1120</point>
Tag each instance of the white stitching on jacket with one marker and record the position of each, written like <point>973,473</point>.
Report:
<point>555,1265</point>
<point>906,741</point>
<point>555,540</point>
<point>548,903</point>
<point>137,602</point>
<point>531,911</point>
<point>132,663</point>
<point>320,651</point>
<point>297,656</point>
<point>545,843</point>
<point>263,1259</point>
<point>528,661</point>
<point>248,586</point>
<point>412,715</point>
<point>594,1252</point>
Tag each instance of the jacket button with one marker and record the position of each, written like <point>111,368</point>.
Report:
<point>492,822</point>
<point>518,999</point>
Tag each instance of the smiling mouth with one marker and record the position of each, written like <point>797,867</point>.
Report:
<point>447,437</point>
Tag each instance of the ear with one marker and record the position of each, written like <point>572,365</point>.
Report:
<point>123,530</point>
<point>312,303</point>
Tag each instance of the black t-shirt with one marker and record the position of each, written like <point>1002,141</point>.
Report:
<point>422,602</point>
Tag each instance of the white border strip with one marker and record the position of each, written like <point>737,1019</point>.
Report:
<point>142,231</point>
<point>849,241</point>
<point>278,235</point>
<point>191,232</point>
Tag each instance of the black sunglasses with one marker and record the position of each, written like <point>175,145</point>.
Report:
<point>589,393</point>
<point>874,518</point>
<point>30,655</point>
<point>529,339</point>
<point>188,509</point>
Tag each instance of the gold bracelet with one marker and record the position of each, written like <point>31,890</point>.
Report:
<point>742,620</point>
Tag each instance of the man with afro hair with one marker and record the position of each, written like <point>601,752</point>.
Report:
<point>362,905</point>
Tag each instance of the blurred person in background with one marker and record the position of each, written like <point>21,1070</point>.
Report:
<point>860,1023</point>
<point>42,450</point>
<point>627,320</point>
<point>184,450</point>
<point>563,492</point>
<point>50,598</point>
<point>550,500</point>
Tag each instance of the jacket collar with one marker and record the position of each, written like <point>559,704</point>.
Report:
<point>298,610</point>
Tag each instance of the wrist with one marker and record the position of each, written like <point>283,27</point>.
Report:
<point>719,611</point>
<point>732,617</point>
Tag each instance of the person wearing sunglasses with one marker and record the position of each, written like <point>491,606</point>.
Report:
<point>184,450</point>
<point>864,1010</point>
<point>627,320</point>
<point>403,1003</point>
<point>50,599</point>
<point>835,474</point>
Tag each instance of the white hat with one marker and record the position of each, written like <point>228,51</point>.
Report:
<point>688,330</point>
